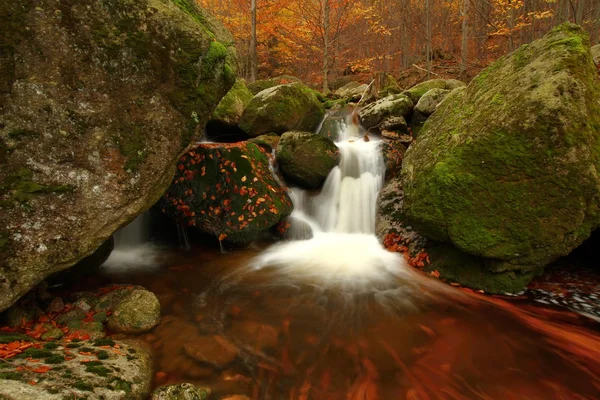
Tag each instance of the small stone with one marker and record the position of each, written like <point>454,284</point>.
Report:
<point>181,391</point>
<point>138,312</point>
<point>55,305</point>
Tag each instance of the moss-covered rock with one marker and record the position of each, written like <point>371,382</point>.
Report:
<point>268,141</point>
<point>46,374</point>
<point>282,108</point>
<point>416,92</point>
<point>181,391</point>
<point>508,168</point>
<point>262,84</point>
<point>230,108</point>
<point>351,91</point>
<point>227,190</point>
<point>373,114</point>
<point>595,50</point>
<point>306,158</point>
<point>138,312</point>
<point>430,100</point>
<point>97,102</point>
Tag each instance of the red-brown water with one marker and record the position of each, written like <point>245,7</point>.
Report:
<point>296,341</point>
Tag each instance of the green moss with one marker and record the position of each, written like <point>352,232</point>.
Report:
<point>10,375</point>
<point>20,133</point>
<point>12,337</point>
<point>51,346</point>
<point>102,355</point>
<point>36,353</point>
<point>21,187</point>
<point>73,345</point>
<point>55,359</point>
<point>120,384</point>
<point>104,342</point>
<point>99,370</point>
<point>83,386</point>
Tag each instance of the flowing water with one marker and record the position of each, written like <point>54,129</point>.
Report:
<point>330,314</point>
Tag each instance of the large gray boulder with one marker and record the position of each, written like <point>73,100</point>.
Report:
<point>282,108</point>
<point>98,99</point>
<point>508,168</point>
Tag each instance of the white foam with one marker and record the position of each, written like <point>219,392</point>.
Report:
<point>126,258</point>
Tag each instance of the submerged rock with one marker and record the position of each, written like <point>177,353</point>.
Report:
<point>282,108</point>
<point>181,391</point>
<point>59,370</point>
<point>97,102</point>
<point>213,350</point>
<point>227,190</point>
<point>508,169</point>
<point>397,105</point>
<point>306,158</point>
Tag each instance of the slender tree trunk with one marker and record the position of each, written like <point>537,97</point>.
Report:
<point>465,37</point>
<point>579,12</point>
<point>253,53</point>
<point>428,29</point>
<point>596,23</point>
<point>510,22</point>
<point>325,25</point>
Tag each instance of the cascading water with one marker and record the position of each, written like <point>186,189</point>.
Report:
<point>333,244</point>
<point>133,247</point>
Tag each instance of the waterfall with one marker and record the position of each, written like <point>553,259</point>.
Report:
<point>133,248</point>
<point>333,243</point>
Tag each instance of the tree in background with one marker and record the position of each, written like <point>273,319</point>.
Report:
<point>328,42</point>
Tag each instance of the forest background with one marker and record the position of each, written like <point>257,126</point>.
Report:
<point>328,43</point>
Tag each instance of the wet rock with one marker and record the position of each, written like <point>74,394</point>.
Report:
<point>138,312</point>
<point>393,154</point>
<point>595,50</point>
<point>262,84</point>
<point>181,391</point>
<point>351,91</point>
<point>396,124</point>
<point>75,314</point>
<point>100,373</point>
<point>430,100</point>
<point>98,102</point>
<point>94,330</point>
<point>213,350</point>
<point>375,113</point>
<point>268,141</point>
<point>506,169</point>
<point>52,333</point>
<point>306,158</point>
<point>282,108</point>
<point>227,190</point>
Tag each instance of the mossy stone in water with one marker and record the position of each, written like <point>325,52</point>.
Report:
<point>138,312</point>
<point>181,391</point>
<point>397,105</point>
<point>508,168</point>
<point>306,158</point>
<point>230,108</point>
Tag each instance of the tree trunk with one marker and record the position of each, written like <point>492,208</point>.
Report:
<point>325,26</point>
<point>465,38</point>
<point>428,29</point>
<point>597,23</point>
<point>253,53</point>
<point>579,12</point>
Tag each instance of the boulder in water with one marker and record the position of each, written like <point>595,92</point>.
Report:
<point>282,108</point>
<point>138,311</point>
<point>97,102</point>
<point>508,169</point>
<point>306,158</point>
<point>227,190</point>
<point>397,105</point>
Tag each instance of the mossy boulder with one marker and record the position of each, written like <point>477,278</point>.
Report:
<point>508,168</point>
<point>262,84</point>
<point>230,108</point>
<point>430,100</point>
<point>595,50</point>
<point>306,158</point>
<point>397,105</point>
<point>282,108</point>
<point>227,190</point>
<point>99,373</point>
<point>98,99</point>
<point>138,312</point>
<point>351,91</point>
<point>181,391</point>
<point>416,92</point>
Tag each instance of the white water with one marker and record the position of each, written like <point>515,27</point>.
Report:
<point>132,247</point>
<point>333,242</point>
